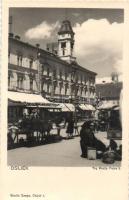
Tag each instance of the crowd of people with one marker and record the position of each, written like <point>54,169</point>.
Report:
<point>32,123</point>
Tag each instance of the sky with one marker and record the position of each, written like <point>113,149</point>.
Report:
<point>98,33</point>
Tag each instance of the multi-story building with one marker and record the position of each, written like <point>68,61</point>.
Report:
<point>22,66</point>
<point>55,74</point>
<point>108,94</point>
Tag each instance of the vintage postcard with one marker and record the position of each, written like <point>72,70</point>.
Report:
<point>64,100</point>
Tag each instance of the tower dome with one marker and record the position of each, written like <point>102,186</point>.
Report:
<point>66,28</point>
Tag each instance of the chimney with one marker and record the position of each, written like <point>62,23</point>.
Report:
<point>17,37</point>
<point>114,77</point>
<point>11,35</point>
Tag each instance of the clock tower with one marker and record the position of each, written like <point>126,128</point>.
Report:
<point>66,42</point>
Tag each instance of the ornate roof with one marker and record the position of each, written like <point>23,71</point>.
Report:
<point>66,27</point>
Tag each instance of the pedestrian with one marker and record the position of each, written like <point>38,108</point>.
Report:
<point>83,140</point>
<point>70,128</point>
<point>87,139</point>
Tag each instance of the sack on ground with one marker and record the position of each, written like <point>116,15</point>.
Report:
<point>109,157</point>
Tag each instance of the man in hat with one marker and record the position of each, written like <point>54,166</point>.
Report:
<point>88,139</point>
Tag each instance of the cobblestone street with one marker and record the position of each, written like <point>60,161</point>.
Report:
<point>63,153</point>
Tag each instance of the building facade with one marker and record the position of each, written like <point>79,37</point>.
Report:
<point>109,93</point>
<point>54,74</point>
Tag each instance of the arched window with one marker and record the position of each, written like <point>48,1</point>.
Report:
<point>31,83</point>
<point>31,63</point>
<point>48,87</point>
<point>19,59</point>
<point>20,79</point>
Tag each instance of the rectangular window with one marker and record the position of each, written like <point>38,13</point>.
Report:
<point>63,44</point>
<point>42,70</point>
<point>20,82</point>
<point>19,60</point>
<point>31,64</point>
<point>60,88</point>
<point>48,87</point>
<point>66,89</point>
<point>54,89</point>
<point>63,52</point>
<point>72,76</point>
<point>31,83</point>
<point>66,75</point>
<point>72,45</point>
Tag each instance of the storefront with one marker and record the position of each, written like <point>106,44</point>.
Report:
<point>19,103</point>
<point>86,111</point>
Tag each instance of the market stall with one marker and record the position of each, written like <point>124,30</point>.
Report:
<point>28,114</point>
<point>19,103</point>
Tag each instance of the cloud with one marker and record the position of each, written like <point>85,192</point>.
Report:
<point>42,31</point>
<point>98,44</point>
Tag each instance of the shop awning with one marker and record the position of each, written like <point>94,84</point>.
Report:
<point>70,106</point>
<point>83,107</point>
<point>116,108</point>
<point>107,105</point>
<point>45,105</point>
<point>26,98</point>
<point>90,107</point>
<point>63,107</point>
<point>66,107</point>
